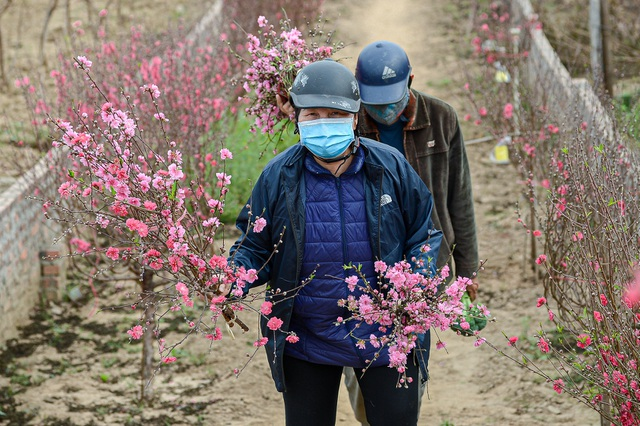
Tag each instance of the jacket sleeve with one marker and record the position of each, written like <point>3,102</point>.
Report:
<point>252,250</point>
<point>419,225</point>
<point>460,206</point>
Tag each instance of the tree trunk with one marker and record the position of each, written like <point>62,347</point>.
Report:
<point>532,226</point>
<point>148,295</point>
<point>102,20</point>
<point>67,18</point>
<point>3,77</point>
<point>595,33</point>
<point>90,20</point>
<point>607,74</point>
<point>43,37</point>
<point>605,405</point>
<point>600,52</point>
<point>119,12</point>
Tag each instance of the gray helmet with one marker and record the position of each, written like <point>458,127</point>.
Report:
<point>325,84</point>
<point>383,73</point>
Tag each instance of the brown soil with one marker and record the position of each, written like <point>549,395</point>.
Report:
<point>75,367</point>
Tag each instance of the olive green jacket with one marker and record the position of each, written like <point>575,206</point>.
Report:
<point>434,146</point>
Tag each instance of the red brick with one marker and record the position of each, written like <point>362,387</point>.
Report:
<point>47,270</point>
<point>47,283</point>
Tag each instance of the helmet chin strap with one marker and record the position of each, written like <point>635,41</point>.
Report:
<point>344,158</point>
<point>354,148</point>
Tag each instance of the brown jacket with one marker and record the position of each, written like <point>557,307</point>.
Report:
<point>434,146</point>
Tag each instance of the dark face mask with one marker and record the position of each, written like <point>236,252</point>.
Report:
<point>388,114</point>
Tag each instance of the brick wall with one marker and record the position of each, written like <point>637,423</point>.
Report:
<point>25,235</point>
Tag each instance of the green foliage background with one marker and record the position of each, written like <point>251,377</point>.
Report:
<point>251,153</point>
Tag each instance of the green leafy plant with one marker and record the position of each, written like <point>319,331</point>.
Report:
<point>109,362</point>
<point>21,379</point>
<point>472,315</point>
<point>628,113</point>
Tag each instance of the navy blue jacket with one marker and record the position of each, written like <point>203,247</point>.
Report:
<point>399,207</point>
<point>336,233</point>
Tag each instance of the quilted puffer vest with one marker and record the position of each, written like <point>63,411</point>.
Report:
<point>336,234</point>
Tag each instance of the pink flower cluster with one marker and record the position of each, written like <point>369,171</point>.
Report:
<point>135,192</point>
<point>406,304</point>
<point>196,94</point>
<point>608,365</point>
<point>274,62</point>
<point>631,294</point>
<point>579,186</point>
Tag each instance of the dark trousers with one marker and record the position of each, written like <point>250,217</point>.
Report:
<point>312,394</point>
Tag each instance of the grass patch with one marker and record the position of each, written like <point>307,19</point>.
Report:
<point>251,153</point>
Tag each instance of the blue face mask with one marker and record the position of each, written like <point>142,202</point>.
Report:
<point>327,138</point>
<point>388,114</point>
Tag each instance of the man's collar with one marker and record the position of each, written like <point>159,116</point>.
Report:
<point>411,110</point>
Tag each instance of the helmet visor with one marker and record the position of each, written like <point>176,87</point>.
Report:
<point>385,94</point>
<point>341,103</point>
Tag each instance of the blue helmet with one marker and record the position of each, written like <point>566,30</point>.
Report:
<point>383,72</point>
